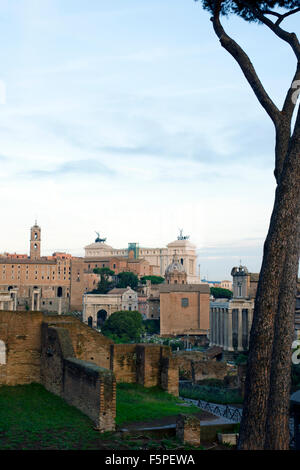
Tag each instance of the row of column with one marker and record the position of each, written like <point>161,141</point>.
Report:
<point>221,327</point>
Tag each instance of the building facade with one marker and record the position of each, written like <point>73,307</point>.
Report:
<point>98,307</point>
<point>37,282</point>
<point>184,309</point>
<point>231,320</point>
<point>158,258</point>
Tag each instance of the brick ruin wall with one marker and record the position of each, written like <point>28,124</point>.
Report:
<point>88,344</point>
<point>208,370</point>
<point>88,387</point>
<point>44,349</point>
<point>184,361</point>
<point>91,389</point>
<point>21,334</point>
<point>194,366</point>
<point>146,365</point>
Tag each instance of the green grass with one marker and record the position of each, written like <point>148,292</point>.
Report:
<point>211,394</point>
<point>136,403</point>
<point>31,418</point>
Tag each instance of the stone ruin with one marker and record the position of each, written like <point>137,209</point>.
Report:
<point>72,360</point>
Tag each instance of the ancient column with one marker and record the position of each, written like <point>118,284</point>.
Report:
<point>225,329</point>
<point>240,330</point>
<point>229,335</point>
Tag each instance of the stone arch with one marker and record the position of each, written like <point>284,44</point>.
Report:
<point>101,317</point>
<point>2,353</point>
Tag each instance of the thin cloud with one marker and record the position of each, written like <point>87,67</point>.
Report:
<point>86,167</point>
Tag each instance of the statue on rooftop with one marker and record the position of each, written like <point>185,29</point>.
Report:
<point>181,237</point>
<point>99,239</point>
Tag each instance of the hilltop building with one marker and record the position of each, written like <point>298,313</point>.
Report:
<point>156,259</point>
<point>57,283</point>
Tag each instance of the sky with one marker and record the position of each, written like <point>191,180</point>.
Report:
<point>128,118</point>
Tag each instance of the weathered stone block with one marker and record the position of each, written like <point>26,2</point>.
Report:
<point>188,429</point>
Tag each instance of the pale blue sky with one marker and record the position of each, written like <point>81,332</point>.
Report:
<point>127,117</point>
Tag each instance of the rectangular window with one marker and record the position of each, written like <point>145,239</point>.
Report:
<point>184,302</point>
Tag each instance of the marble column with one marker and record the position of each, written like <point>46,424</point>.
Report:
<point>229,335</point>
<point>218,327</point>
<point>240,330</point>
<point>225,329</point>
<point>210,325</point>
<point>221,328</point>
<point>250,319</point>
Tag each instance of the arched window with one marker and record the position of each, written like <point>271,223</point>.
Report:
<point>59,292</point>
<point>2,353</point>
<point>90,321</point>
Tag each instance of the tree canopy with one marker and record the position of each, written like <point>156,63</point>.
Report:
<point>153,279</point>
<point>249,10</point>
<point>220,293</point>
<point>104,284</point>
<point>126,279</point>
<point>124,326</point>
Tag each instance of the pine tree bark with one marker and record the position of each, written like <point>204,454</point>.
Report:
<point>265,422</point>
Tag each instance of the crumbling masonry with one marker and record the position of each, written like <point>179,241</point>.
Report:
<point>72,360</point>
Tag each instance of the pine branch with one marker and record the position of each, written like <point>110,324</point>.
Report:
<point>290,38</point>
<point>245,64</point>
<point>285,15</point>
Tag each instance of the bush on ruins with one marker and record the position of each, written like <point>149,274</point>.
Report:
<point>220,293</point>
<point>124,326</point>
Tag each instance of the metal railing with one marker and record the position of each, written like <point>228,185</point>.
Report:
<point>225,411</point>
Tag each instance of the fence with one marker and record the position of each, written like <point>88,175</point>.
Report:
<point>229,412</point>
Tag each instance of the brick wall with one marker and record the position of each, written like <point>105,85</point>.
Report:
<point>88,344</point>
<point>91,389</point>
<point>21,334</point>
<point>208,370</point>
<point>149,365</point>
<point>170,376</point>
<point>123,362</point>
<point>88,387</point>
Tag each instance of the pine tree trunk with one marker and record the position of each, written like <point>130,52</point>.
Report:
<point>267,389</point>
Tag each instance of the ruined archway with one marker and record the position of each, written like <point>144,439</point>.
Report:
<point>101,317</point>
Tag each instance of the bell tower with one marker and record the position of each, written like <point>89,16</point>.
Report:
<point>35,241</point>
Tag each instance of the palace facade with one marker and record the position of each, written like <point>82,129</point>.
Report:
<point>156,259</point>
